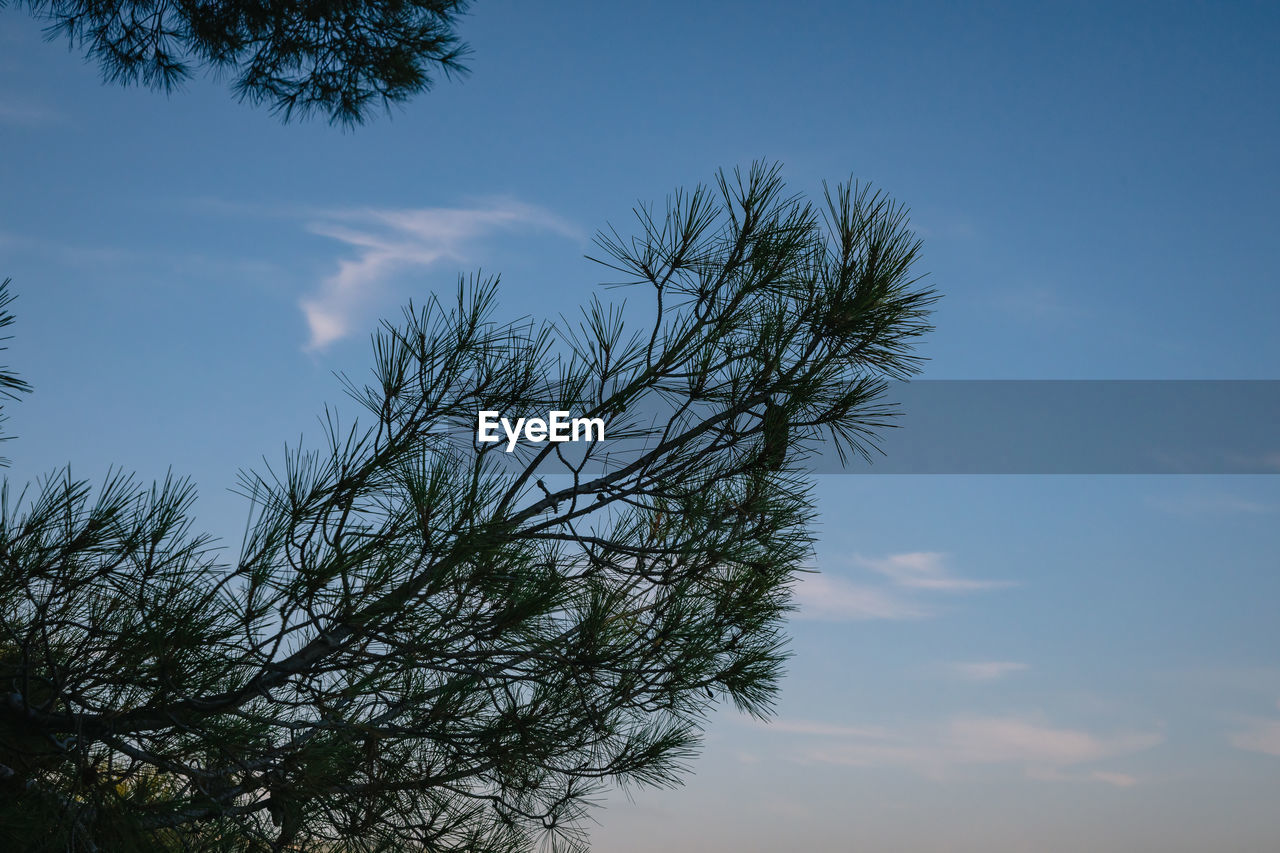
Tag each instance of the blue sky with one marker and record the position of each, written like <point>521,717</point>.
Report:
<point>988,664</point>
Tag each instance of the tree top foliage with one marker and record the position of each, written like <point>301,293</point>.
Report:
<point>422,646</point>
<point>342,58</point>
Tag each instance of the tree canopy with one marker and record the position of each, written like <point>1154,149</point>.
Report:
<point>423,645</point>
<point>342,58</point>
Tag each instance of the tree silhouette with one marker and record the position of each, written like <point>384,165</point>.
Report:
<point>11,385</point>
<point>343,58</point>
<point>427,643</point>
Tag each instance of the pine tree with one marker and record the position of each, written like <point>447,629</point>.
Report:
<point>343,58</point>
<point>427,643</point>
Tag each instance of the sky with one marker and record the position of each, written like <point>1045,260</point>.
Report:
<point>984,663</point>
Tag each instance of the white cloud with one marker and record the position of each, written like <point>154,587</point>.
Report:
<point>1042,751</point>
<point>818,729</point>
<point>1119,780</point>
<point>1057,774</point>
<point>906,579</point>
<point>387,242</point>
<point>1002,740</point>
<point>823,597</point>
<point>925,570</point>
<point>1258,736</point>
<point>986,670</point>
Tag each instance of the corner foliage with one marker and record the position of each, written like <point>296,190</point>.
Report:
<point>342,58</point>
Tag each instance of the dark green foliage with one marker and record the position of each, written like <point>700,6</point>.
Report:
<point>11,385</point>
<point>425,647</point>
<point>338,57</point>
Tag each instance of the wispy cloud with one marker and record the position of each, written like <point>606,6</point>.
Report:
<point>1040,750</point>
<point>153,260</point>
<point>1059,774</point>
<point>829,598</point>
<point>1266,462</point>
<point>387,242</point>
<point>901,584</point>
<point>925,570</point>
<point>1217,503</point>
<point>1119,780</point>
<point>1004,740</point>
<point>1036,302</point>
<point>67,253</point>
<point>26,114</point>
<point>818,729</point>
<point>1258,735</point>
<point>1246,683</point>
<point>986,670</point>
